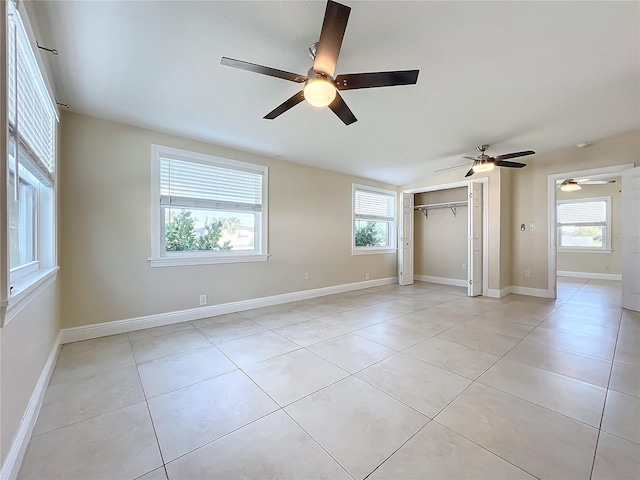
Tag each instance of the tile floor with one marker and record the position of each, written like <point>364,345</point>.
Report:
<point>385,383</point>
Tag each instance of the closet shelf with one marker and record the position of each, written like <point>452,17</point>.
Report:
<point>433,206</point>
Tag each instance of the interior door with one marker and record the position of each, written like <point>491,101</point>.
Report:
<point>474,270</point>
<point>405,235</point>
<point>631,239</point>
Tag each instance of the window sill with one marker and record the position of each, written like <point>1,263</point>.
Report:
<point>26,289</point>
<point>584,250</point>
<point>372,251</point>
<point>190,261</point>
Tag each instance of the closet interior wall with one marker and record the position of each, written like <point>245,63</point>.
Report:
<point>440,240</point>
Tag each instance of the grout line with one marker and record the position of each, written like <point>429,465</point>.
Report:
<point>349,374</point>
<point>604,405</point>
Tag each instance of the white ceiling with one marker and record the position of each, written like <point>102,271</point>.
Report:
<point>517,75</point>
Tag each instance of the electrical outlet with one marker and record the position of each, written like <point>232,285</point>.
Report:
<point>464,266</point>
<point>203,299</point>
<point>527,273</point>
<point>366,276</point>
<point>306,276</point>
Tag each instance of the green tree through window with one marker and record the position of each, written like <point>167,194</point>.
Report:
<point>181,234</point>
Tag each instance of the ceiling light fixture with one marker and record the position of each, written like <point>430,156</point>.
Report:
<point>570,186</point>
<point>319,91</point>
<point>483,166</point>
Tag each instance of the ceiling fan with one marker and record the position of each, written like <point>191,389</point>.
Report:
<point>573,185</point>
<point>485,163</point>
<point>320,87</point>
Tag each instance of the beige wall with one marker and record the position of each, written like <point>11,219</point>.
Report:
<point>506,228</point>
<point>25,345</point>
<point>440,241</point>
<point>529,193</point>
<point>106,225</point>
<point>608,263</point>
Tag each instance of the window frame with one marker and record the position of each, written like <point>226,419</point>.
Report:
<point>159,256</point>
<point>606,243</point>
<point>23,283</point>
<point>393,241</point>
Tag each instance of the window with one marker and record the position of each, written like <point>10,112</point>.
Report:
<point>207,209</point>
<point>374,220</point>
<point>584,225</point>
<point>31,163</point>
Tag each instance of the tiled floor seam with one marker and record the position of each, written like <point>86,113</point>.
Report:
<point>218,438</point>
<point>604,405</point>
<point>486,449</point>
<point>86,419</point>
<point>153,424</point>
<point>318,443</point>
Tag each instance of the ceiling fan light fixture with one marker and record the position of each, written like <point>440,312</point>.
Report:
<point>319,91</point>
<point>570,186</point>
<point>483,166</point>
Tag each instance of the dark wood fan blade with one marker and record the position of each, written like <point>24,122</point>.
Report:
<point>351,81</point>
<point>503,163</point>
<point>333,27</point>
<point>272,72</point>
<point>279,110</point>
<point>469,173</point>
<point>342,110</point>
<point>515,154</point>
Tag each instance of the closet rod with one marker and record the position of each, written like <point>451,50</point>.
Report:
<point>433,206</point>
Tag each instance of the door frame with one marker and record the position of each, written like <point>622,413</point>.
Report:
<point>552,276</point>
<point>485,220</point>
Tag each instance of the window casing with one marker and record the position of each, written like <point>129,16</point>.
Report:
<point>374,220</point>
<point>206,209</point>
<point>31,159</point>
<point>584,225</point>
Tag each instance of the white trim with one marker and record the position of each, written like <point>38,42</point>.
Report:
<point>158,257</point>
<point>591,275</point>
<point>26,291</point>
<point>442,186</point>
<point>14,457</point>
<point>552,250</point>
<point>87,332</point>
<point>394,221</point>
<point>373,251</point>
<point>585,250</point>
<point>442,280</point>
<point>493,293</point>
<point>170,261</point>
<point>533,292</point>
<point>606,247</point>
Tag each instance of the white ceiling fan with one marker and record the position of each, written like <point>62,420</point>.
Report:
<point>573,184</point>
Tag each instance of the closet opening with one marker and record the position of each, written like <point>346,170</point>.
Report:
<point>443,236</point>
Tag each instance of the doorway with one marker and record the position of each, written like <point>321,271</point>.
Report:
<point>585,228</point>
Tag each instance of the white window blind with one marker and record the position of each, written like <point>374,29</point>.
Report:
<point>583,213</point>
<point>369,205</point>
<point>32,115</point>
<point>199,185</point>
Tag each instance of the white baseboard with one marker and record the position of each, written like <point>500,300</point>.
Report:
<point>591,276</point>
<point>493,293</point>
<point>14,457</point>
<point>87,332</point>
<point>532,292</point>
<point>444,281</point>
